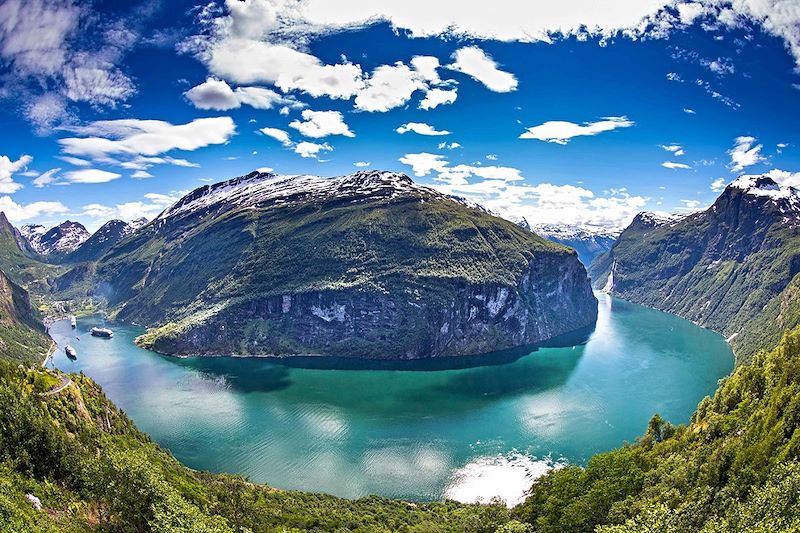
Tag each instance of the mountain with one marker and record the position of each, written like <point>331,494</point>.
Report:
<point>365,265</point>
<point>589,243</point>
<point>17,259</point>
<point>59,240</point>
<point>22,335</point>
<point>732,268</point>
<point>101,241</point>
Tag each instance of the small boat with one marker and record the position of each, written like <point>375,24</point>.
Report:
<point>102,332</point>
<point>70,351</point>
<point>73,321</point>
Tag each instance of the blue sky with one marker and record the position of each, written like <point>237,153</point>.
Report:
<point>114,109</point>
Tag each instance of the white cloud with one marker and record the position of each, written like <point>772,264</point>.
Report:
<point>78,162</point>
<point>491,157</point>
<point>673,165</point>
<point>134,137</point>
<point>560,131</point>
<point>424,163</point>
<point>689,111</point>
<point>388,87</point>
<point>319,124</point>
<point>46,178</point>
<point>745,153</point>
<point>152,205</point>
<point>21,212</point>
<point>420,128</point>
<point>247,61</point>
<point>436,97</point>
<point>362,164</point>
<point>718,185</point>
<point>90,175</point>
<point>141,174</point>
<point>7,170</point>
<point>446,146</point>
<point>690,205</point>
<point>309,149</point>
<point>503,190</point>
<point>675,149</point>
<point>218,95</point>
<point>475,63</point>
<point>505,20</point>
<point>278,134</point>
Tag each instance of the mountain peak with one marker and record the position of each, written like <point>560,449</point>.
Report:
<point>763,186</point>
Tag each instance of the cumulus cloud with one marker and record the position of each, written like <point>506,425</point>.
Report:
<point>503,190</point>
<point>21,212</point>
<point>247,61</point>
<point>673,165</point>
<point>319,124</point>
<point>745,153</point>
<point>561,131</point>
<point>148,208</point>
<point>420,128</point>
<point>218,95</point>
<point>474,62</point>
<point>362,164</point>
<point>7,170</point>
<point>105,139</point>
<point>309,149</point>
<point>436,97</point>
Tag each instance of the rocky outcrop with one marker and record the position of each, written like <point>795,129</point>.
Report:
<point>552,298</point>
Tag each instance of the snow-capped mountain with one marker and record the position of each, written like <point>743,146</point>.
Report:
<point>732,267</point>
<point>61,239</point>
<point>264,188</point>
<point>588,242</point>
<point>101,241</point>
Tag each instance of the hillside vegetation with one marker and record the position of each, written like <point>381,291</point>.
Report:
<point>732,268</point>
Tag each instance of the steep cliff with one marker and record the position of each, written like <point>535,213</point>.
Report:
<point>732,267</point>
<point>22,335</point>
<point>367,265</point>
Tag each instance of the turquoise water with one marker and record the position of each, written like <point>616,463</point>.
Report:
<point>412,430</point>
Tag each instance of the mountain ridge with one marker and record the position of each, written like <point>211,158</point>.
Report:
<point>726,267</point>
<point>369,263</point>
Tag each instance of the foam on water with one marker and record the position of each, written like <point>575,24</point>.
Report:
<point>507,477</point>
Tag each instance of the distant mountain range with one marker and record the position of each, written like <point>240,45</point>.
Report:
<point>369,265</point>
<point>732,267</point>
<point>588,242</point>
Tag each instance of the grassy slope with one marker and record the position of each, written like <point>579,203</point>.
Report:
<point>733,468</point>
<point>93,470</point>
<point>256,253</point>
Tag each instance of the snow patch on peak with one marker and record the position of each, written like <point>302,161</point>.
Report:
<point>764,186</point>
<point>266,188</point>
<point>659,219</point>
<point>63,238</point>
<point>572,231</point>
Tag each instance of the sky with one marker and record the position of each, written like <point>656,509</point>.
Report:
<point>570,112</point>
